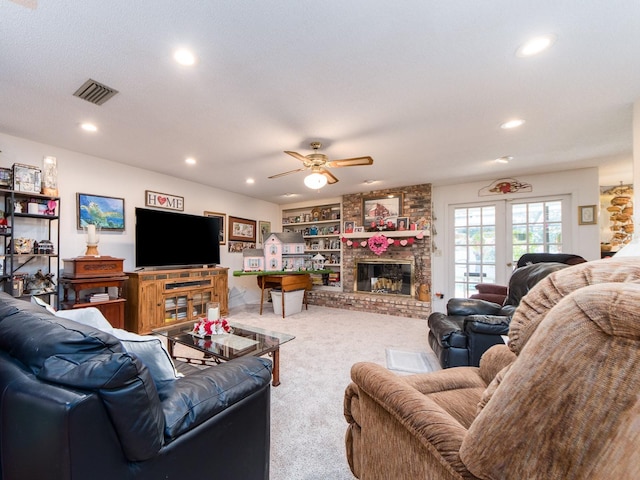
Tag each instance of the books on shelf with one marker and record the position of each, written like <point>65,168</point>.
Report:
<point>99,297</point>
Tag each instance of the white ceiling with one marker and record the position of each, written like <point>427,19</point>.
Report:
<point>420,85</point>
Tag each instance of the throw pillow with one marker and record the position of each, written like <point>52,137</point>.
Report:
<point>151,351</point>
<point>90,316</point>
<point>148,348</point>
<point>38,301</point>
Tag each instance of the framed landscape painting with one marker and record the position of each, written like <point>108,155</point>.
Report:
<point>104,212</point>
<point>383,208</point>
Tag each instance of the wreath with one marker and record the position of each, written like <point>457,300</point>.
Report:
<point>378,244</point>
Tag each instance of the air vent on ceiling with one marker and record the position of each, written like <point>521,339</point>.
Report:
<point>95,92</point>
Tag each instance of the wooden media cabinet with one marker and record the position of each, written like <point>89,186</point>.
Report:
<point>159,298</point>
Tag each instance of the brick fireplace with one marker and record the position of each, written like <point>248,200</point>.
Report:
<point>417,255</point>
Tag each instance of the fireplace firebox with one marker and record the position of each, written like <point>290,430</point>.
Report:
<point>388,277</point>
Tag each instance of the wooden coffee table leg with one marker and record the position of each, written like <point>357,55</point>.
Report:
<point>276,368</point>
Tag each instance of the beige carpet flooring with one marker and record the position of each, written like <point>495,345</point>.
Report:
<point>307,422</point>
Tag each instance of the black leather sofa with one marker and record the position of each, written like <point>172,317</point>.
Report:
<point>75,405</point>
<point>471,326</point>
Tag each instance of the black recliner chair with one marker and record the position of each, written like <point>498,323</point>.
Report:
<point>471,326</point>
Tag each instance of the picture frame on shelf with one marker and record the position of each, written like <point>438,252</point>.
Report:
<point>359,229</point>
<point>587,215</point>
<point>349,227</point>
<point>383,208</point>
<point>222,220</point>
<point>242,229</point>
<point>402,223</point>
<point>101,211</point>
<point>265,230</point>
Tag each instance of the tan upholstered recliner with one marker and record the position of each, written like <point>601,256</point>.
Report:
<point>562,403</point>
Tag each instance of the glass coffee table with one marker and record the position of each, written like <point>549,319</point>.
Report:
<point>244,340</point>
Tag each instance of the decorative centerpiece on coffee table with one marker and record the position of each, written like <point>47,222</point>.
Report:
<point>205,328</point>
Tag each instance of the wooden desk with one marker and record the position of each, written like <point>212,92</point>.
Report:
<point>287,283</point>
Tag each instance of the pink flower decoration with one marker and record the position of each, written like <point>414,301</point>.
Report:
<point>378,244</point>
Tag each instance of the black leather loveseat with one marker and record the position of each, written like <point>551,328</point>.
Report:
<point>471,326</point>
<point>75,405</point>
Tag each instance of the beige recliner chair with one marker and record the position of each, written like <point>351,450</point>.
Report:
<point>561,402</point>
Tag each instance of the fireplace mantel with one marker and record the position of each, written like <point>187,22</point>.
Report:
<point>387,233</point>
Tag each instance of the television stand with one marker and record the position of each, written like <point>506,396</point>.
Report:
<point>159,298</point>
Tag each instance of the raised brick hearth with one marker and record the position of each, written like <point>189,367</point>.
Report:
<point>416,205</point>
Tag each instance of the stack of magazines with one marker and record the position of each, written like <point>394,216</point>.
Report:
<point>99,297</point>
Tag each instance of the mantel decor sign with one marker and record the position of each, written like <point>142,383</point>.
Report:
<point>242,230</point>
<point>163,200</point>
<point>104,212</point>
<point>222,220</point>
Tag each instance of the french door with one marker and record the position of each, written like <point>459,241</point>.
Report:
<point>490,237</point>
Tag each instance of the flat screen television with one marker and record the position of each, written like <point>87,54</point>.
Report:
<point>172,239</point>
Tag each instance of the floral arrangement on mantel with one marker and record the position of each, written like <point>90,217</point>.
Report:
<point>204,328</point>
<point>378,244</point>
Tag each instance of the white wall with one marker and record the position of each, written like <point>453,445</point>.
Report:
<point>79,173</point>
<point>581,185</point>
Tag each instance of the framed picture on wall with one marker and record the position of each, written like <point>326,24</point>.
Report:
<point>265,230</point>
<point>242,229</point>
<point>381,209</point>
<point>222,219</point>
<point>587,215</point>
<point>104,212</point>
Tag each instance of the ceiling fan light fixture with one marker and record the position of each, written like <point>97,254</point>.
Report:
<point>315,181</point>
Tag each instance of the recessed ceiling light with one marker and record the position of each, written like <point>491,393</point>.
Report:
<point>250,180</point>
<point>505,159</point>
<point>190,161</point>
<point>515,123</point>
<point>536,45</point>
<point>89,127</point>
<point>184,57</point>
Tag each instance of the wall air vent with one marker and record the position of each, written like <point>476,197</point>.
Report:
<point>95,92</point>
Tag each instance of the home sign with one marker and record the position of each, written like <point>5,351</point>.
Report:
<point>163,200</point>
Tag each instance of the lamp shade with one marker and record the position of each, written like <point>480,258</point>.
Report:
<point>315,181</point>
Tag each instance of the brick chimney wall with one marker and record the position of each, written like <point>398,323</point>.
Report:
<point>416,204</point>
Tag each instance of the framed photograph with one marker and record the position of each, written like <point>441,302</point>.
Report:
<point>222,220</point>
<point>104,212</point>
<point>587,215</point>
<point>265,230</point>
<point>238,247</point>
<point>402,223</point>
<point>381,209</point>
<point>358,229</point>
<point>349,227</point>
<point>242,229</point>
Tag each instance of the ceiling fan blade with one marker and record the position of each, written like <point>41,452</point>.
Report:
<point>302,158</point>
<point>350,162</point>
<point>330,177</point>
<point>32,4</point>
<point>287,173</point>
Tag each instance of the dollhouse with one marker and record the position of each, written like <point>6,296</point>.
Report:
<point>285,251</point>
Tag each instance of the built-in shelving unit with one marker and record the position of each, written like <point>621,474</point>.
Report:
<point>321,226</point>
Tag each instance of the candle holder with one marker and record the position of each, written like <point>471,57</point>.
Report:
<point>93,239</point>
<point>213,310</point>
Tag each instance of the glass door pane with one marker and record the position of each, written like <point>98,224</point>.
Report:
<point>537,227</point>
<point>475,248</point>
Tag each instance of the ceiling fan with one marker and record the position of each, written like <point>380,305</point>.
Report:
<point>318,164</point>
